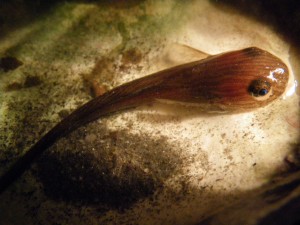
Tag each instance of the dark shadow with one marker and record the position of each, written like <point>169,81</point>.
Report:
<point>105,169</point>
<point>287,215</point>
<point>283,15</point>
<point>15,14</point>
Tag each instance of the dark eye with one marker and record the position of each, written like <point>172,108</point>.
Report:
<point>259,87</point>
<point>263,92</point>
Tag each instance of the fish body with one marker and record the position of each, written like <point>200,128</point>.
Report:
<point>231,82</point>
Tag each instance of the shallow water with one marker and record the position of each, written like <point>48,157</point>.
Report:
<point>167,164</point>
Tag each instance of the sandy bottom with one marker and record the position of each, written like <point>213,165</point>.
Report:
<point>158,164</point>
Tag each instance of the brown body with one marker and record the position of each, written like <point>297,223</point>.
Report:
<point>231,82</point>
